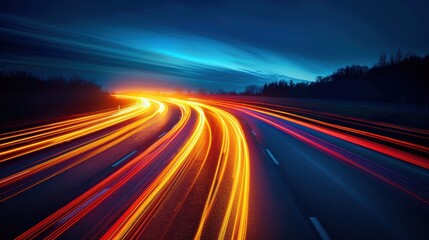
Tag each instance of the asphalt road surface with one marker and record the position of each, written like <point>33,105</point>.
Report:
<point>182,168</point>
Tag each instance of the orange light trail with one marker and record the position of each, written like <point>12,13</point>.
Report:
<point>232,160</point>
<point>175,158</point>
<point>333,131</point>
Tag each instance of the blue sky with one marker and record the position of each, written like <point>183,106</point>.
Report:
<point>205,44</point>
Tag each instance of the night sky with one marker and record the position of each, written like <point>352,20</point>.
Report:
<point>205,44</point>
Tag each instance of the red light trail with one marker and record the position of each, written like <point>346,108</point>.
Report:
<point>194,160</point>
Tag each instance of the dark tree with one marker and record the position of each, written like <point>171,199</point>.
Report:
<point>25,95</point>
<point>403,80</point>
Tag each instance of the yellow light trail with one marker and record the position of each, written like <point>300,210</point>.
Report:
<point>126,114</point>
<point>171,156</point>
<point>234,152</point>
<point>236,211</point>
<point>232,177</point>
<point>87,149</point>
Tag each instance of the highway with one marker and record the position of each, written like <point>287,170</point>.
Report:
<point>175,167</point>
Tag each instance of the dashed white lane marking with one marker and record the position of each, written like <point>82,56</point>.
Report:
<point>272,157</point>
<point>162,134</point>
<point>320,229</point>
<point>123,159</point>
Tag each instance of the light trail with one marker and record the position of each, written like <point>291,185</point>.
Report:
<point>273,118</point>
<point>85,150</point>
<point>165,158</point>
<point>82,130</point>
<point>405,156</point>
<point>233,159</point>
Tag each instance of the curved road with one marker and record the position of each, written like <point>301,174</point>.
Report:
<point>181,168</point>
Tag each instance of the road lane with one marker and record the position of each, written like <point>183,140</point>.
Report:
<point>65,185</point>
<point>343,197</point>
<point>206,168</point>
<point>274,214</point>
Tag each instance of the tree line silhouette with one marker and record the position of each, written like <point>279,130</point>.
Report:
<point>403,80</point>
<point>24,95</point>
